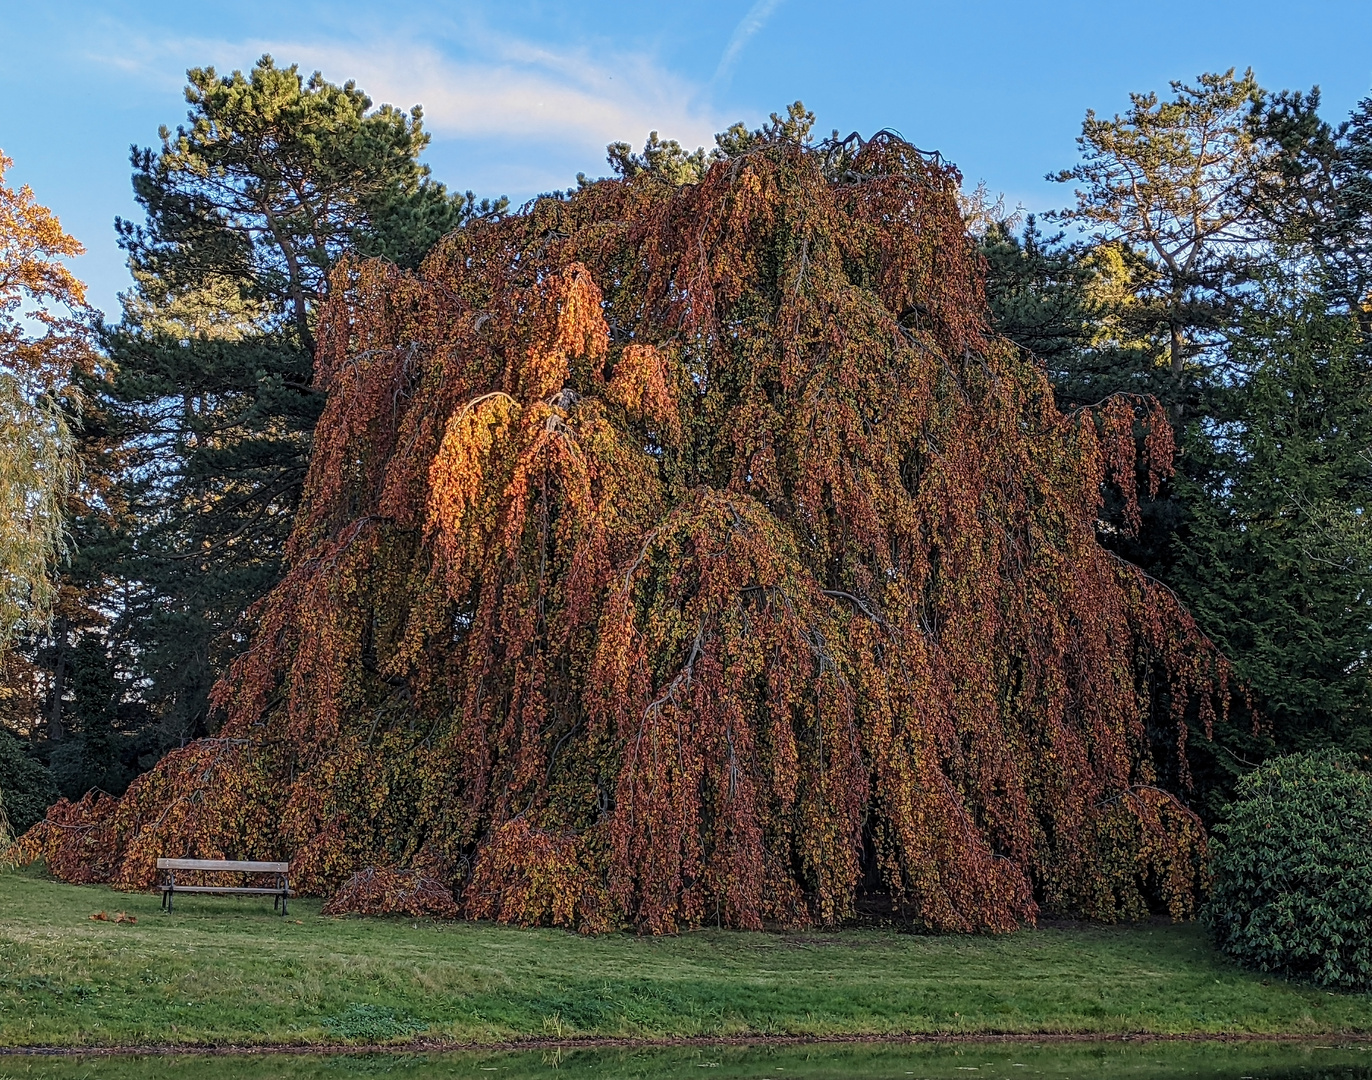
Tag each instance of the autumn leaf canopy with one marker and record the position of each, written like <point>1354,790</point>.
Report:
<point>682,553</point>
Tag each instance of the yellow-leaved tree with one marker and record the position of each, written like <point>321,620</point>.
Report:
<point>43,337</point>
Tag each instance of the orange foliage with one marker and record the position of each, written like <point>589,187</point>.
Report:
<point>675,555</point>
<point>38,395</point>
<point>533,877</point>
<point>34,246</point>
<point>387,891</point>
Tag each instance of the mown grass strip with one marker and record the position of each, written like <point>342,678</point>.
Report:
<point>229,971</point>
<point>1118,1061</point>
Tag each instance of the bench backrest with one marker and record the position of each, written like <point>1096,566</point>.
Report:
<point>227,865</point>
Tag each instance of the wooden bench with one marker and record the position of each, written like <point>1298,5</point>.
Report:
<point>281,891</point>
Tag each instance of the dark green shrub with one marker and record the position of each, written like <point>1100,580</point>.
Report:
<point>26,788</point>
<point>1292,868</point>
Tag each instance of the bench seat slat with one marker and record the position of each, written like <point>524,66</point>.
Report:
<point>223,889</point>
<point>225,865</point>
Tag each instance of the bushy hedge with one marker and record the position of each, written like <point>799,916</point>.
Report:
<point>26,788</point>
<point>1292,869</point>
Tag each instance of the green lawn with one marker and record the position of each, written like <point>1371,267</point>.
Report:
<point>841,1061</point>
<point>227,970</point>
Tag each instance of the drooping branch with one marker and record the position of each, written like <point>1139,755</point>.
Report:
<point>788,584</point>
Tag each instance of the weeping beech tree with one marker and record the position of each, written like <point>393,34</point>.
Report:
<point>689,553</point>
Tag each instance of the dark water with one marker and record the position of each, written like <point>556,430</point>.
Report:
<point>1076,1061</point>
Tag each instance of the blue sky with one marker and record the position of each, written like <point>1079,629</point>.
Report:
<point>522,95</point>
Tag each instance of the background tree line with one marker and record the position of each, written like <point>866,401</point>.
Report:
<point>1226,267</point>
<point>1218,256</point>
<point>197,411</point>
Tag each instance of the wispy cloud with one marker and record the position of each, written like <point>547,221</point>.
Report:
<point>748,26</point>
<point>507,88</point>
<point>520,89</point>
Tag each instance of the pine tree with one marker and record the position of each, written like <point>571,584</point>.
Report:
<point>204,427</point>
<point>95,752</point>
<point>1039,295</point>
<point>1170,191</point>
<point>1317,201</point>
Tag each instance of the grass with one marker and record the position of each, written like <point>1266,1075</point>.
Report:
<point>1118,1061</point>
<point>227,970</point>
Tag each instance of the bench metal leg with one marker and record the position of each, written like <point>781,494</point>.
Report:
<point>280,894</point>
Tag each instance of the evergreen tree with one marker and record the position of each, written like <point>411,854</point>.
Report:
<point>1318,200</point>
<point>26,788</point>
<point>1039,295</point>
<point>1276,564</point>
<point>271,180</point>
<point>95,753</point>
<point>1168,192</point>
<point>205,423</point>
<point>668,160</point>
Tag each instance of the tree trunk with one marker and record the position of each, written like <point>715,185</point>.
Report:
<point>295,286</point>
<point>56,730</point>
<point>1177,366</point>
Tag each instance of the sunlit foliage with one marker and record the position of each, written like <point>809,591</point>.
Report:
<point>200,437</point>
<point>41,340</point>
<point>681,553</point>
<point>1172,188</point>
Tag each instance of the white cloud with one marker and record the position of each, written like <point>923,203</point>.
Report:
<point>524,91</point>
<point>748,26</point>
<point>503,88</point>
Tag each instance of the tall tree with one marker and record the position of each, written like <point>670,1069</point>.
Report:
<point>37,456</point>
<point>1170,188</point>
<point>210,410</point>
<point>677,552</point>
<point>1276,561</point>
<point>1040,296</point>
<point>668,160</point>
<point>1318,200</point>
<point>271,179</point>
